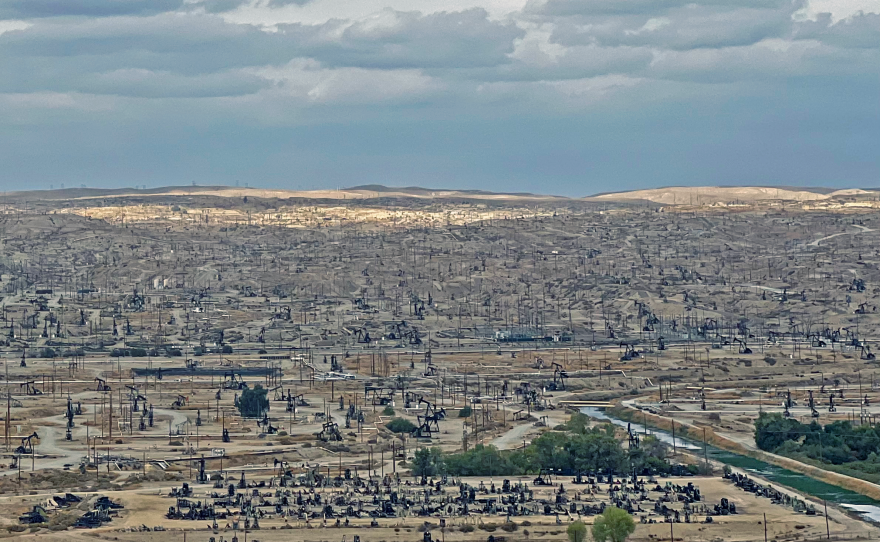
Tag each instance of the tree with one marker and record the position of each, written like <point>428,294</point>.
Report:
<point>253,403</point>
<point>480,461</point>
<point>772,430</point>
<point>428,462</point>
<point>399,425</point>
<point>614,525</point>
<point>577,532</point>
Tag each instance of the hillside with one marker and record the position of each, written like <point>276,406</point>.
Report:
<point>357,192</point>
<point>707,195</point>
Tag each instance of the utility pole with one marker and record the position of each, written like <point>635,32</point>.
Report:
<point>705,454</point>
<point>674,451</point>
<point>827,527</point>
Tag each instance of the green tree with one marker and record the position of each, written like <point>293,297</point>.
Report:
<point>480,461</point>
<point>253,403</point>
<point>614,525</point>
<point>577,532</point>
<point>399,425</point>
<point>578,423</point>
<point>428,462</point>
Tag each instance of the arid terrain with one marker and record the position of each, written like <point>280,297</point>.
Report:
<point>134,322</point>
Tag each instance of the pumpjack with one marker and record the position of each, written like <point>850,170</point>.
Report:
<point>294,401</point>
<point>135,398</point>
<point>559,377</point>
<point>363,336</point>
<point>266,425</point>
<point>233,381</point>
<point>69,415</point>
<point>27,446</point>
<point>633,437</point>
<point>102,384</point>
<point>630,352</point>
<point>335,365</point>
<point>743,347</point>
<point>330,432</point>
<point>544,478</point>
<point>29,388</point>
<point>429,423</point>
<point>202,478</point>
<point>813,412</point>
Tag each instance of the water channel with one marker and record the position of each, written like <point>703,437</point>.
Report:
<point>865,507</point>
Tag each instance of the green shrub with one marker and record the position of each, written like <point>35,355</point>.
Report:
<point>399,425</point>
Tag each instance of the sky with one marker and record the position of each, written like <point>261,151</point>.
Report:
<point>567,97</point>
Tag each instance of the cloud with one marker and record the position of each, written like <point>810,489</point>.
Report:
<point>468,86</point>
<point>585,8</point>
<point>84,8</point>
<point>861,31</point>
<point>307,80</point>
<point>13,26</point>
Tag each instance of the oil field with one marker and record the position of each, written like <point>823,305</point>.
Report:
<point>376,364</point>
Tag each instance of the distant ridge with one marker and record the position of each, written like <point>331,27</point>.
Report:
<point>362,192</point>
<point>707,195</point>
<point>418,190</point>
<point>669,195</point>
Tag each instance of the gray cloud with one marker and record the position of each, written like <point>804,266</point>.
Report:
<point>693,27</point>
<point>562,86</point>
<point>410,40</point>
<point>26,9</point>
<point>862,31</point>
<point>569,8</point>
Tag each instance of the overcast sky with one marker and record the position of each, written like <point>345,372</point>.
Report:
<point>568,97</point>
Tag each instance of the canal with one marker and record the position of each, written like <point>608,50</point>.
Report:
<point>866,507</point>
